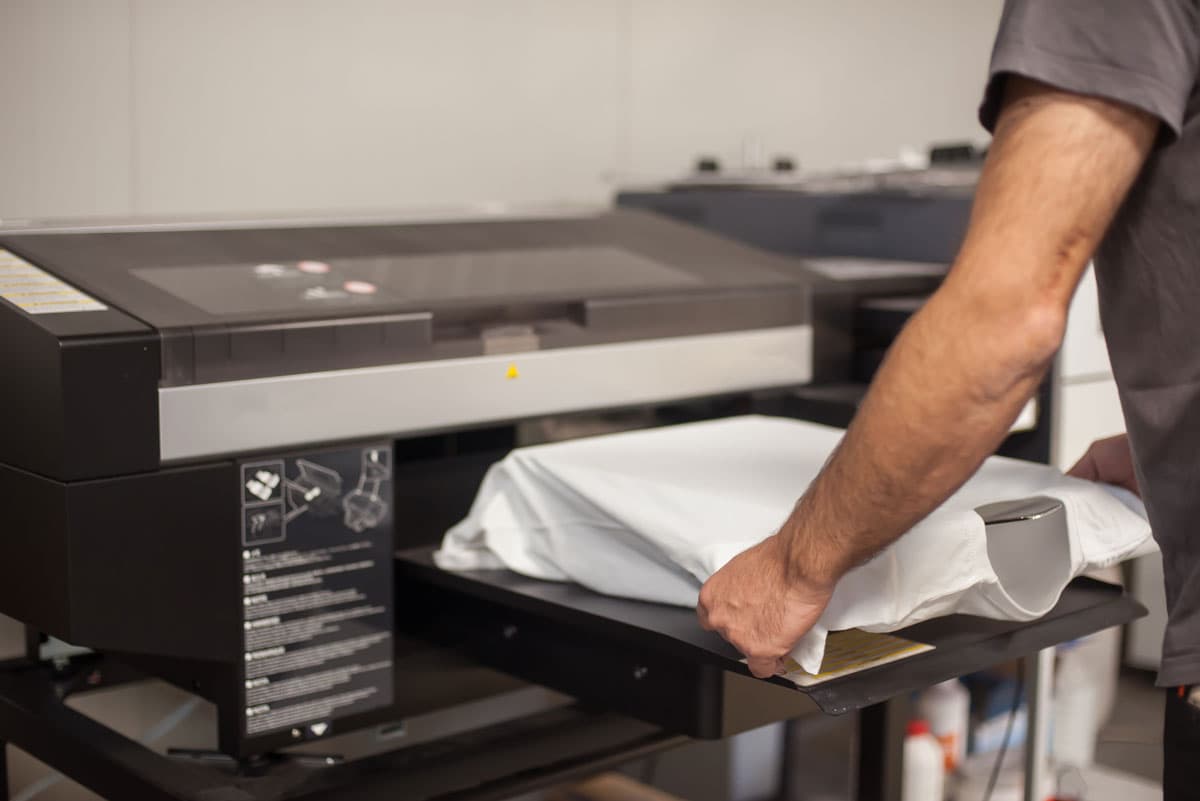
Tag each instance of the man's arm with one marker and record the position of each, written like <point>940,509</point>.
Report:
<point>1059,166</point>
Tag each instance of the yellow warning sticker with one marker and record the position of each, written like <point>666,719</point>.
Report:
<point>512,372</point>
<point>35,291</point>
<point>851,651</point>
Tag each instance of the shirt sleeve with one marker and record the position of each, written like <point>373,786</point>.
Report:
<point>1143,53</point>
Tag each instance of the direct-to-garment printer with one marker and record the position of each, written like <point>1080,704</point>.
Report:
<point>916,215</point>
<point>226,451</point>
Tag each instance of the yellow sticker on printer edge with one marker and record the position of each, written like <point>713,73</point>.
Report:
<point>35,291</point>
<point>512,372</point>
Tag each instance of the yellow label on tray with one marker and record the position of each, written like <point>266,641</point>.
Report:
<point>851,651</point>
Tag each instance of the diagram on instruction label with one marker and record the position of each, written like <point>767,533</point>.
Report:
<point>315,490</point>
<point>363,507</point>
<point>262,502</point>
<point>278,492</point>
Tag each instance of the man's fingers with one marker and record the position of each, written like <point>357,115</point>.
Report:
<point>1085,468</point>
<point>1110,461</point>
<point>764,667</point>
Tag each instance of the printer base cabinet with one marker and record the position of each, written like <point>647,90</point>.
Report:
<point>263,584</point>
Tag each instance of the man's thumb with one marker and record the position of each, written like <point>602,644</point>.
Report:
<point>763,667</point>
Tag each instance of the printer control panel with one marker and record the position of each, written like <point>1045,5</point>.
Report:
<point>316,555</point>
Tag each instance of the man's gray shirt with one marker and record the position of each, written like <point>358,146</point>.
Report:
<point>1144,53</point>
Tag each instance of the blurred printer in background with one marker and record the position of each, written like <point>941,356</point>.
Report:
<point>894,221</point>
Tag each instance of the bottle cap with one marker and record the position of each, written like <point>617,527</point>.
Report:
<point>916,728</point>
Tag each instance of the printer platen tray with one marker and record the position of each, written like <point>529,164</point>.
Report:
<point>655,663</point>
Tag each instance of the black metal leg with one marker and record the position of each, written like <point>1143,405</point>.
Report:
<point>881,749</point>
<point>786,791</point>
<point>3,771</point>
<point>33,644</point>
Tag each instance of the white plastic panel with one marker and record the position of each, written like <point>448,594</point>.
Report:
<point>1085,412</point>
<point>1084,353</point>
<point>1027,420</point>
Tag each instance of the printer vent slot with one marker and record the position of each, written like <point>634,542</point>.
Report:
<point>228,353</point>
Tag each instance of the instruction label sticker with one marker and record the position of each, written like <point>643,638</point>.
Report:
<point>35,291</point>
<point>316,589</point>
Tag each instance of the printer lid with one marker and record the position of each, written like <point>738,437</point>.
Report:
<point>359,294</point>
<point>220,275</point>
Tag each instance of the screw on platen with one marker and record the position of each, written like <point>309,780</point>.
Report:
<point>510,631</point>
<point>640,672</point>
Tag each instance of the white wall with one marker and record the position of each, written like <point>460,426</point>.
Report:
<point>192,106</point>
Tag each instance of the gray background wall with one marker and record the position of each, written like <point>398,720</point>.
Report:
<point>111,107</point>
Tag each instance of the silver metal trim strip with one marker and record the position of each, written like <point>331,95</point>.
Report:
<point>473,213</point>
<point>285,411</point>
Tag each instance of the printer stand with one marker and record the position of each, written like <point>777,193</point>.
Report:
<point>656,678</point>
<point>487,764</point>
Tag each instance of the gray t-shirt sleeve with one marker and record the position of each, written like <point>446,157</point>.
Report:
<point>1140,52</point>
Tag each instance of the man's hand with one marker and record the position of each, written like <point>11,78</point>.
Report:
<point>762,609</point>
<point>1111,461</point>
